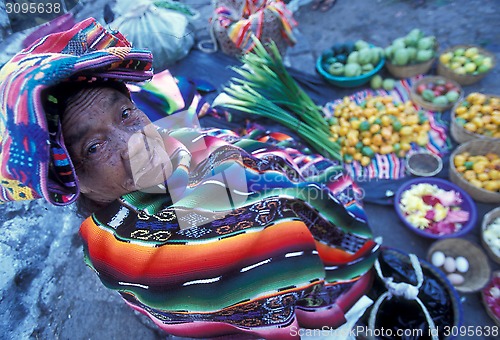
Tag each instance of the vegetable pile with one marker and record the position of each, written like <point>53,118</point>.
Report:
<point>435,210</point>
<point>351,59</point>
<point>480,114</point>
<point>377,125</point>
<point>482,171</point>
<point>411,49</point>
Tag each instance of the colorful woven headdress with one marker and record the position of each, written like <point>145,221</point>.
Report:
<point>34,162</point>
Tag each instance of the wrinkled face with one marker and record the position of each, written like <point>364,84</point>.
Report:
<point>113,145</point>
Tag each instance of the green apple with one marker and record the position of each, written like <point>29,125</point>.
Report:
<point>459,52</point>
<point>459,59</point>
<point>471,52</point>
<point>478,59</point>
<point>454,65</point>
<point>488,62</point>
<point>470,67</point>
<point>445,58</point>
<point>483,68</point>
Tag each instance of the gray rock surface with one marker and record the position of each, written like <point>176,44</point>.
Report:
<point>47,292</point>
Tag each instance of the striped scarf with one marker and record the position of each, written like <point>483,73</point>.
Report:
<point>34,162</point>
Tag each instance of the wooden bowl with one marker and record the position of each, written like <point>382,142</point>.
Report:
<point>417,99</point>
<point>487,220</point>
<point>485,295</point>
<point>461,134</point>
<point>479,272</point>
<point>464,79</point>
<point>475,147</point>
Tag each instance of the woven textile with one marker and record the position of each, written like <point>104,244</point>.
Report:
<point>289,247</point>
<point>295,252</point>
<point>33,159</point>
<point>235,21</point>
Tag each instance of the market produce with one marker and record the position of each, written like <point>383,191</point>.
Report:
<point>454,267</point>
<point>435,210</point>
<point>377,125</point>
<point>480,114</point>
<point>464,60</point>
<point>351,59</point>
<point>491,235</point>
<point>411,49</point>
<point>482,171</point>
<point>441,92</point>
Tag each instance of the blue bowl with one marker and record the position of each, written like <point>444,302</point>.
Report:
<point>347,82</point>
<point>467,205</point>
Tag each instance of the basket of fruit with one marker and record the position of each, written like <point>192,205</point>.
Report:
<point>435,208</point>
<point>475,167</point>
<point>490,234</point>
<point>464,263</point>
<point>466,64</point>
<point>411,55</point>
<point>476,117</point>
<point>350,64</point>
<point>435,93</point>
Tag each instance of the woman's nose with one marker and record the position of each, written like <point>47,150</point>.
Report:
<point>140,141</point>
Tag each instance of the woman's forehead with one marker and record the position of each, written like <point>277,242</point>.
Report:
<point>84,107</point>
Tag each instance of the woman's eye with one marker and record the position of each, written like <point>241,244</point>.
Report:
<point>126,113</point>
<point>92,149</point>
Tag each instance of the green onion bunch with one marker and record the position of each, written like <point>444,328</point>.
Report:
<point>267,90</point>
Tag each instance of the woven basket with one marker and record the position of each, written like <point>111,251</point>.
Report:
<point>479,273</point>
<point>407,71</point>
<point>464,79</point>
<point>417,99</point>
<point>489,218</point>
<point>475,147</point>
<point>462,135</point>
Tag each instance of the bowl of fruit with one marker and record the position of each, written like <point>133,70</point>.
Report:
<point>411,54</point>
<point>466,64</point>
<point>476,117</point>
<point>435,208</point>
<point>475,167</point>
<point>436,93</point>
<point>350,64</point>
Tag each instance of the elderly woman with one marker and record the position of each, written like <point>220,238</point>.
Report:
<point>205,232</point>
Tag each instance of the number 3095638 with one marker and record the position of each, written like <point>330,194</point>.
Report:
<point>32,8</point>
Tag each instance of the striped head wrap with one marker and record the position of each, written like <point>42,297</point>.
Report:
<point>34,162</point>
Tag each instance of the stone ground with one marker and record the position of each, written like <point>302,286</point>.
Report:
<point>47,292</point>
